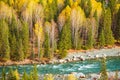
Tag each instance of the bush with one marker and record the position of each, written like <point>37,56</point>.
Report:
<point>48,77</point>
<point>71,77</point>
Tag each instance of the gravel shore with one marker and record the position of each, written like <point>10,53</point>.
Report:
<point>89,54</point>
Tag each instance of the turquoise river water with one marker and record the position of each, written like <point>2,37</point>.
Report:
<point>86,67</point>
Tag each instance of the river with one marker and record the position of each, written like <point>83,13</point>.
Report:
<point>86,67</point>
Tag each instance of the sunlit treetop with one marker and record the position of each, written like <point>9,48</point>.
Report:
<point>50,1</point>
<point>78,1</point>
<point>117,7</point>
<point>96,6</point>
<point>66,12</point>
<point>78,12</point>
<point>6,12</point>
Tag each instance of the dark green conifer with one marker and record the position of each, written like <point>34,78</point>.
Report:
<point>3,74</point>
<point>103,75</point>
<point>47,46</point>
<point>117,30</point>
<point>25,76</point>
<point>109,39</point>
<point>35,73</point>
<point>102,39</point>
<point>4,42</point>
<point>25,39</point>
<point>90,40</point>
<point>65,41</point>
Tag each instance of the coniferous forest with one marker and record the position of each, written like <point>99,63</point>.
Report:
<point>39,29</point>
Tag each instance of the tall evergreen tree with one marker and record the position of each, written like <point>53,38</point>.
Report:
<point>13,75</point>
<point>65,41</point>
<point>3,74</point>
<point>4,42</point>
<point>13,38</point>
<point>103,75</point>
<point>25,76</point>
<point>47,46</point>
<point>109,39</point>
<point>35,73</point>
<point>90,40</point>
<point>102,38</point>
<point>12,47</point>
<point>20,53</point>
<point>117,30</point>
<point>25,39</point>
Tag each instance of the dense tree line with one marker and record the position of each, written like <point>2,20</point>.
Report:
<point>41,28</point>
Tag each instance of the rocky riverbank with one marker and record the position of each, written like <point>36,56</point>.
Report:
<point>89,54</point>
<point>72,56</point>
<point>81,76</point>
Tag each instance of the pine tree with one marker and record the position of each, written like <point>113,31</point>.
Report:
<point>10,75</point>
<point>117,30</point>
<point>13,75</point>
<point>47,46</point>
<point>109,39</point>
<point>4,42</point>
<point>116,75</point>
<point>88,8</point>
<point>103,75</point>
<point>25,39</point>
<point>35,73</point>
<point>20,53</point>
<point>3,74</point>
<point>13,38</point>
<point>12,47</point>
<point>25,76</point>
<point>102,38</point>
<point>90,40</point>
<point>30,77</point>
<point>65,41</point>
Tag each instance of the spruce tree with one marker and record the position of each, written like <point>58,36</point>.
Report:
<point>35,73</point>
<point>14,39</point>
<point>25,76</point>
<point>90,40</point>
<point>103,75</point>
<point>109,39</point>
<point>3,74</point>
<point>117,30</point>
<point>13,75</point>
<point>20,52</point>
<point>47,46</point>
<point>116,75</point>
<point>65,41</point>
<point>102,38</point>
<point>13,47</point>
<point>25,39</point>
<point>4,42</point>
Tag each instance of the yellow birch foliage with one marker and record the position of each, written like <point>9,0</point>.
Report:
<point>38,30</point>
<point>117,7</point>
<point>6,12</point>
<point>96,6</point>
<point>77,14</point>
<point>71,77</point>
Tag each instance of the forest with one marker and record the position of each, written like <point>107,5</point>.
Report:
<point>39,29</point>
